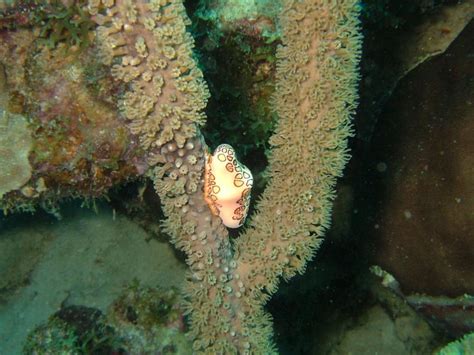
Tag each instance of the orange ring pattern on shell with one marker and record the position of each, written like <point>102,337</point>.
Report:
<point>227,186</point>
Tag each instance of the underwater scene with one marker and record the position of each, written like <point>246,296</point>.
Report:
<point>237,177</point>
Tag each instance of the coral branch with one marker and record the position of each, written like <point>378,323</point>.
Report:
<point>146,45</point>
<point>315,96</point>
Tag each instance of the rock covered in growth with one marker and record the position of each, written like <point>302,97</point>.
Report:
<point>79,146</point>
<point>149,321</point>
<point>52,337</point>
<point>73,330</point>
<point>248,16</point>
<point>15,146</point>
<point>142,320</point>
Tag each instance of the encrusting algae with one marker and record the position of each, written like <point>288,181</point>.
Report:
<point>15,146</point>
<point>77,146</point>
<point>149,50</point>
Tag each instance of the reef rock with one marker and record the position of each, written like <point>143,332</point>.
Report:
<point>15,145</point>
<point>425,186</point>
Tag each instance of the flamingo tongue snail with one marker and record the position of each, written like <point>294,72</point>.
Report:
<point>227,186</point>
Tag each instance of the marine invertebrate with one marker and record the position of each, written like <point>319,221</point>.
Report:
<point>227,186</point>
<point>60,22</point>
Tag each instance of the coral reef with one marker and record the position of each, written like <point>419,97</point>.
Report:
<point>142,76</point>
<point>314,99</point>
<point>60,22</point>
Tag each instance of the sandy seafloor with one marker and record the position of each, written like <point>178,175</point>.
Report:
<point>84,259</point>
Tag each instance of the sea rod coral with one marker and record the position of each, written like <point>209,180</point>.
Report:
<point>149,51</point>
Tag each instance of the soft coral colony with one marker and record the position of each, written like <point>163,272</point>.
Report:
<point>145,46</point>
